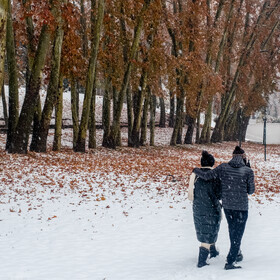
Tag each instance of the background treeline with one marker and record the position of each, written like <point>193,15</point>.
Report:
<point>208,56</point>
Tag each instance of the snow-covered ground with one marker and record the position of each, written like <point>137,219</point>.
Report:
<point>153,239</point>
<point>255,132</point>
<point>116,215</point>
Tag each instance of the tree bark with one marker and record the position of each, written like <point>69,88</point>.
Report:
<point>58,117</point>
<point>92,124</point>
<point>232,126</point>
<point>4,103</point>
<point>84,29</point>
<point>172,110</point>
<point>81,141</point>
<point>106,112</point>
<point>41,133</point>
<point>197,136</point>
<point>36,123</point>
<point>206,130</point>
<point>92,120</point>
<point>75,113</point>
<point>189,134</point>
<point>162,119</point>
<point>3,32</point>
<point>152,117</point>
<point>139,99</point>
<point>13,81</point>
<point>178,122</point>
<point>144,122</point>
<point>129,115</point>
<point>31,45</point>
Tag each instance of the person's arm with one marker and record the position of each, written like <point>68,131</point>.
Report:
<point>191,187</point>
<point>208,175</point>
<point>251,183</point>
<point>218,189</point>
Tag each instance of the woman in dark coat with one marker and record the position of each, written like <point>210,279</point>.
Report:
<point>206,210</point>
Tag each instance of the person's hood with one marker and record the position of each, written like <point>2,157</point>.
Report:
<point>237,161</point>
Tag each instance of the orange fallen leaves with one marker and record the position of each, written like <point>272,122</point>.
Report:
<point>53,217</point>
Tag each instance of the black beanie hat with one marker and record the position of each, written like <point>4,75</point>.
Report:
<point>207,159</point>
<point>238,151</point>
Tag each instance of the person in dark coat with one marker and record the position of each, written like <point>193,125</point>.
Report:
<point>206,209</point>
<point>237,180</point>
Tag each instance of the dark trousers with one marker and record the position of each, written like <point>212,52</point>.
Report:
<point>236,225</point>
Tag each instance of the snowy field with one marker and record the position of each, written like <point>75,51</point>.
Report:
<point>117,215</point>
<point>255,132</point>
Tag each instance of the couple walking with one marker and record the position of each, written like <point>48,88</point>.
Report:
<point>230,182</point>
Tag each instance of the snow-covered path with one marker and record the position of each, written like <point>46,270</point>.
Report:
<point>141,238</point>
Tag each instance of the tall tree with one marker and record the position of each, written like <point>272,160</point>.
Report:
<point>3,31</point>
<point>111,141</point>
<point>13,82</point>
<point>249,43</point>
<point>19,143</point>
<point>3,24</point>
<point>81,141</point>
<point>39,143</point>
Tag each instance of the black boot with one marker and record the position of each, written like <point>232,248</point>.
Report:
<point>231,266</point>
<point>203,254</point>
<point>239,257</point>
<point>213,251</point>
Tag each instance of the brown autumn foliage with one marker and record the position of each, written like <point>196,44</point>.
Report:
<point>199,49</point>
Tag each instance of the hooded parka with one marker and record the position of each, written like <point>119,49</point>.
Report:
<point>207,209</point>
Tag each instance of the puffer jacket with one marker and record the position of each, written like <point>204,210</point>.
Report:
<point>237,181</point>
<point>207,209</point>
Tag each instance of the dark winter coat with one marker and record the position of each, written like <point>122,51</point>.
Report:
<point>237,181</point>
<point>207,209</point>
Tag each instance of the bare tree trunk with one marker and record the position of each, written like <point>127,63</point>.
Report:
<point>189,134</point>
<point>36,123</point>
<point>162,120</point>
<point>4,103</point>
<point>3,31</point>
<point>152,117</point>
<point>197,128</point>
<point>180,131</point>
<point>92,124</point>
<point>106,112</point>
<point>13,82</point>
<point>92,120</point>
<point>232,126</point>
<point>178,122</point>
<point>139,99</point>
<point>129,115</point>
<point>84,29</point>
<point>58,117</point>
<point>75,113</point>
<point>206,130</point>
<point>172,110</point>
<point>144,122</point>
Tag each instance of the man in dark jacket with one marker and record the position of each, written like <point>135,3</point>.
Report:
<point>237,181</point>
